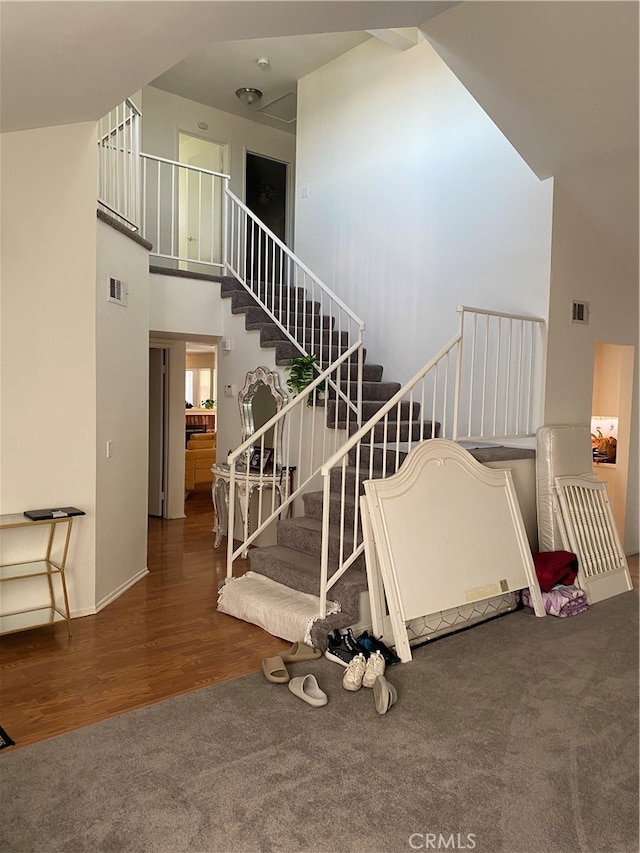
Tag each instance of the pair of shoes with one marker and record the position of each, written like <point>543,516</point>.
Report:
<point>306,687</point>
<point>342,648</point>
<point>274,668</point>
<point>362,672</point>
<point>384,694</point>
<point>371,644</point>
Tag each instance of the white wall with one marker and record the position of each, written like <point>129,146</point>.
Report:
<point>122,415</point>
<point>187,306</point>
<point>588,263</point>
<point>416,202</point>
<point>48,347</point>
<point>165,115</point>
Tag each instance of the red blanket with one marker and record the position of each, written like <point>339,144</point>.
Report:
<point>554,567</point>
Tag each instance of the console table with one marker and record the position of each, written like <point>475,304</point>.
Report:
<point>247,485</point>
<point>41,566</point>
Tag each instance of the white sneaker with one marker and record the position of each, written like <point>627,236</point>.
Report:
<point>375,667</point>
<point>352,678</point>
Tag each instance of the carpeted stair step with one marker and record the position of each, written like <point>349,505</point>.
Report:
<point>370,390</point>
<point>257,317</point>
<point>230,284</point>
<point>302,572</point>
<point>416,431</point>
<point>380,457</point>
<point>337,478</point>
<point>305,534</point>
<point>285,351</point>
<point>369,409</point>
<point>370,372</point>
<point>313,507</point>
<point>241,299</point>
<point>271,332</point>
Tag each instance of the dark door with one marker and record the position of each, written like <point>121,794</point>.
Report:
<point>266,196</point>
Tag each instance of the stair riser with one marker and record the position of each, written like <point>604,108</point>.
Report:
<point>311,543</point>
<point>336,478</point>
<point>370,372</point>
<point>286,351</point>
<point>313,509</point>
<point>241,300</point>
<point>379,458</point>
<point>232,285</point>
<point>274,333</point>
<point>258,317</point>
<point>417,432</point>
<point>381,391</point>
<point>369,408</point>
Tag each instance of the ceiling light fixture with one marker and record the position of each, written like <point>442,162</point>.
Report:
<point>248,95</point>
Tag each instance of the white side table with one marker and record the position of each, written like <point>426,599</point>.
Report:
<point>247,485</point>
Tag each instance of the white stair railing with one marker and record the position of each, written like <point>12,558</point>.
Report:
<point>485,383</point>
<point>302,440</point>
<point>272,273</point>
<point>119,163</point>
<point>183,214</point>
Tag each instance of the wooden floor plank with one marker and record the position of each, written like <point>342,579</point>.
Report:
<point>161,638</point>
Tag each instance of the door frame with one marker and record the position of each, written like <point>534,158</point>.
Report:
<point>289,196</point>
<point>163,425</point>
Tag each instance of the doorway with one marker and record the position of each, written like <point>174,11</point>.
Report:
<point>611,419</point>
<point>200,200</point>
<point>266,196</point>
<point>158,357</point>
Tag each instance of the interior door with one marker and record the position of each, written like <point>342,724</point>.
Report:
<point>200,202</point>
<point>157,428</point>
<point>266,196</point>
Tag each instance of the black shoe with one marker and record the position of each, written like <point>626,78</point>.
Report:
<point>342,648</point>
<point>373,645</point>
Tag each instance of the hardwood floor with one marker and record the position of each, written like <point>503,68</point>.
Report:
<point>163,637</point>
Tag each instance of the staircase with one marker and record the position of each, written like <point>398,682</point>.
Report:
<point>485,383</point>
<point>295,560</point>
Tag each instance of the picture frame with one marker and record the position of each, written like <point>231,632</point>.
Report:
<point>261,459</point>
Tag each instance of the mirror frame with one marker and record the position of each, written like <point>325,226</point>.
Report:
<point>254,379</point>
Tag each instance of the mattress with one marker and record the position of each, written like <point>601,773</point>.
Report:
<point>562,451</point>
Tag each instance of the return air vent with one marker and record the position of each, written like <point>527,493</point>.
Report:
<point>580,313</point>
<point>117,292</point>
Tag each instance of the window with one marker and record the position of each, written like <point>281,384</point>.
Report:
<point>197,386</point>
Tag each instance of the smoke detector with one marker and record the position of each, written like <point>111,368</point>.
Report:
<point>263,62</point>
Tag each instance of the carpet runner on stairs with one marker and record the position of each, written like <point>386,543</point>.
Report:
<point>295,560</point>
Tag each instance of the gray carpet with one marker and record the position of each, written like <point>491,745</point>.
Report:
<point>519,735</point>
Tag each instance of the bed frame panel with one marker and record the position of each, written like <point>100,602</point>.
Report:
<point>443,532</point>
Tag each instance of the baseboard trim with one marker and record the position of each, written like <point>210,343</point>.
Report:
<point>122,588</point>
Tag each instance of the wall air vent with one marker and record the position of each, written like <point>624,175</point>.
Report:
<point>117,292</point>
<point>580,313</point>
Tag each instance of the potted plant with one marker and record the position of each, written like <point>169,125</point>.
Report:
<point>302,373</point>
<point>208,404</point>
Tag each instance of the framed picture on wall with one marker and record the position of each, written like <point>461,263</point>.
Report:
<point>261,459</point>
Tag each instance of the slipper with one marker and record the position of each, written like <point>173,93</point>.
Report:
<point>384,694</point>
<point>300,651</point>
<point>275,670</point>
<point>306,687</point>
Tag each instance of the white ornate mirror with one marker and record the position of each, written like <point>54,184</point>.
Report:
<point>259,400</point>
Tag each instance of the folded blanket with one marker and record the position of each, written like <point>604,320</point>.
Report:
<point>560,601</point>
<point>554,567</point>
